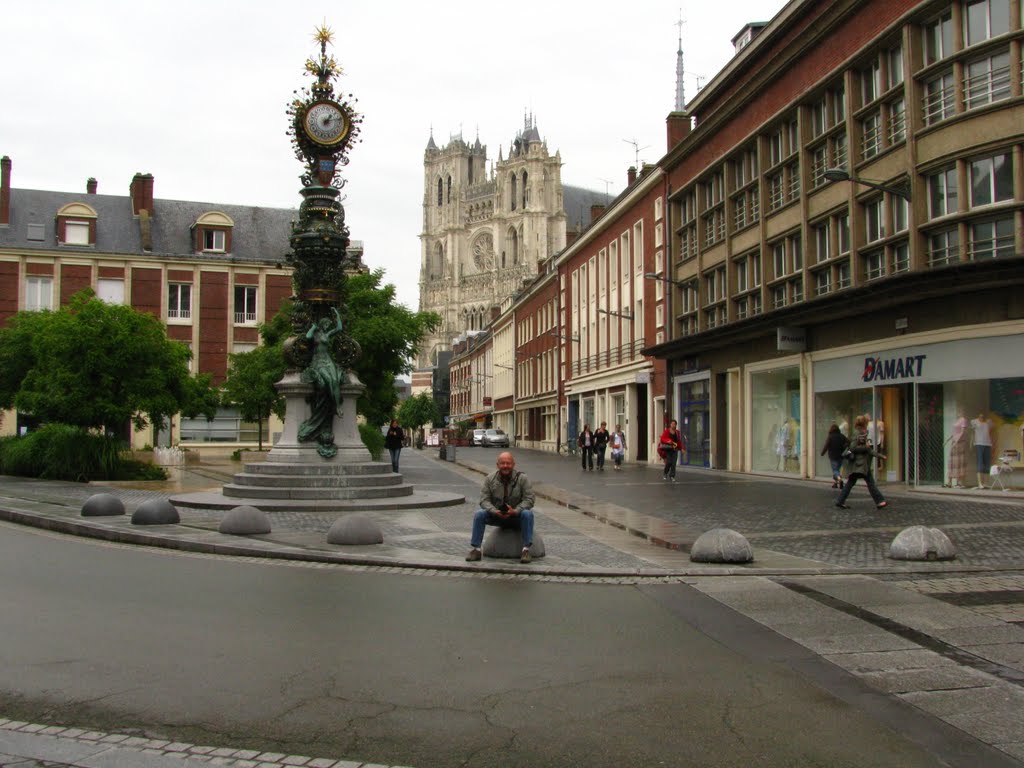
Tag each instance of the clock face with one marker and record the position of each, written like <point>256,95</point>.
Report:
<point>326,123</point>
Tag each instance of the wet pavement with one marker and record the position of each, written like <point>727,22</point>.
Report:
<point>947,637</point>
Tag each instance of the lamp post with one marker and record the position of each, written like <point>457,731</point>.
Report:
<point>624,315</point>
<point>841,174</point>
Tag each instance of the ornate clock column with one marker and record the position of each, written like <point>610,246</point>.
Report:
<point>319,387</point>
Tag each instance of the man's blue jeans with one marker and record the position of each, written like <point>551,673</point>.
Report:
<point>523,521</point>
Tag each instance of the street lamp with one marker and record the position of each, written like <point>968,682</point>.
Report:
<point>558,335</point>
<point>655,276</point>
<point>624,315</point>
<point>841,174</point>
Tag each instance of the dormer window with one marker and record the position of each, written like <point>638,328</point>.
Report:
<point>212,233</point>
<point>76,225</point>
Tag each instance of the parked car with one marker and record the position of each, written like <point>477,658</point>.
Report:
<point>478,436</point>
<point>494,438</point>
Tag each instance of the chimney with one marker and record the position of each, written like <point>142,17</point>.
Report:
<point>679,127</point>
<point>90,186</point>
<point>141,191</point>
<point>630,175</point>
<point>5,190</point>
<point>596,211</point>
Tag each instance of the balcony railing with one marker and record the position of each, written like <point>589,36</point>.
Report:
<point>603,360</point>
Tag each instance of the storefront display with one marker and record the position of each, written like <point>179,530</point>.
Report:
<point>776,436</point>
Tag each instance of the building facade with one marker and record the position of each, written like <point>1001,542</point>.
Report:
<point>210,272</point>
<point>847,224</point>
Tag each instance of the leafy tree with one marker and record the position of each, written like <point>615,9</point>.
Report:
<point>250,385</point>
<point>389,335</point>
<point>97,365</point>
<point>416,411</point>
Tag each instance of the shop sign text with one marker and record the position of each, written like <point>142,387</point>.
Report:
<point>909,367</point>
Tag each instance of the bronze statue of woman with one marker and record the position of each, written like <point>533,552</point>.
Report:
<point>325,376</point>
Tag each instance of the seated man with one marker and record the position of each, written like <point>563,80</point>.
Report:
<point>506,500</point>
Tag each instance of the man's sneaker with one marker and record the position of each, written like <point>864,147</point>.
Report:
<point>525,557</point>
<point>474,555</point>
<point>673,479</point>
<point>883,505</point>
<point>842,506</point>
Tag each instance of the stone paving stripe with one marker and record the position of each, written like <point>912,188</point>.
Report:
<point>994,597</point>
<point>951,652</point>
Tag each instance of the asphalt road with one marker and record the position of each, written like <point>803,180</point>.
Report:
<point>418,670</point>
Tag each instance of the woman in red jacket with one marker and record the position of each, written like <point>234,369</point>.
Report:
<point>669,445</point>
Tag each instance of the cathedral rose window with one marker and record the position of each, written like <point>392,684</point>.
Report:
<point>483,251</point>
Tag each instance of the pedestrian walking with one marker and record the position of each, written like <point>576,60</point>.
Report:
<point>859,454</point>
<point>836,444</point>
<point>618,444</point>
<point>669,445</point>
<point>601,438</point>
<point>586,443</point>
<point>393,441</point>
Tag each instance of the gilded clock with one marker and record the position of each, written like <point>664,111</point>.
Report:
<point>326,123</point>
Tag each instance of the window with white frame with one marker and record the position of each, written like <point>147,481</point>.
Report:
<point>822,242</point>
<point>944,248</point>
<point>843,277</point>
<point>842,222</point>
<point>874,264</point>
<point>985,19</point>
<point>874,228</point>
<point>38,293</point>
<point>179,301</point>
<point>991,180</point>
<point>939,98</point>
<point>110,290</point>
<point>942,193</point>
<point>991,239</point>
<point>897,121</point>
<point>822,282</point>
<point>987,79</point>
<point>245,305</point>
<point>938,38</point>
<point>778,294</point>
<point>779,259</point>
<point>76,233</point>
<point>871,135</point>
<point>893,67</point>
<point>213,240</point>
<point>900,257</point>
<point>900,214</point>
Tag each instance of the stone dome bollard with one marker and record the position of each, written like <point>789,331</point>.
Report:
<point>354,530</point>
<point>245,521</point>
<point>508,543</point>
<point>918,542</point>
<point>155,512</point>
<point>721,545</point>
<point>102,505</point>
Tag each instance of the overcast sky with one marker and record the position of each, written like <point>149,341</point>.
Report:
<point>195,91</point>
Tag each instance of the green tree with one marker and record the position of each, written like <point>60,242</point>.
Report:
<point>416,411</point>
<point>97,365</point>
<point>250,385</point>
<point>389,335</point>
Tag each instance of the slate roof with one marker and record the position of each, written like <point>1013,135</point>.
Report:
<point>577,201</point>
<point>259,235</point>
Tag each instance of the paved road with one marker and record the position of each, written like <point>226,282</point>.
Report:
<point>426,671</point>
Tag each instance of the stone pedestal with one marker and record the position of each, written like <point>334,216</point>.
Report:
<point>289,450</point>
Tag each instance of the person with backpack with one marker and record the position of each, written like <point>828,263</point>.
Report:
<point>859,455</point>
<point>835,446</point>
<point>618,444</point>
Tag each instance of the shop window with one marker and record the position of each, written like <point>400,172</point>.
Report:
<point>991,180</point>
<point>38,293</point>
<point>179,301</point>
<point>245,305</point>
<point>776,434</point>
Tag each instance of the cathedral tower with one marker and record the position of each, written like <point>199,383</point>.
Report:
<point>485,231</point>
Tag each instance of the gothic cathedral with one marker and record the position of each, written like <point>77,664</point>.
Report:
<point>485,233</point>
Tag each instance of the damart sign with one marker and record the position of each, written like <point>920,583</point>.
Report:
<point>993,357</point>
<point>893,368</point>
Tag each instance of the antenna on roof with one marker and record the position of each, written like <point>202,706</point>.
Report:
<point>636,151</point>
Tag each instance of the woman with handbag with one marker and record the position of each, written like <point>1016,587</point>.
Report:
<point>669,445</point>
<point>586,443</point>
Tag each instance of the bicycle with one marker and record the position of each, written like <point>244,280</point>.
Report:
<point>567,449</point>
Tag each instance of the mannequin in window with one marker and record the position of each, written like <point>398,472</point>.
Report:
<point>983,446</point>
<point>958,451</point>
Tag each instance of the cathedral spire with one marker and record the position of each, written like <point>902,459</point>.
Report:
<point>680,93</point>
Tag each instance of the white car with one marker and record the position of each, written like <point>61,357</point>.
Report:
<point>495,438</point>
<point>478,436</point>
